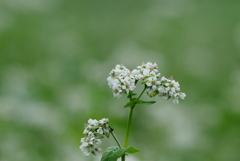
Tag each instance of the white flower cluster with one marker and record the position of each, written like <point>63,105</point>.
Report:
<point>149,75</point>
<point>95,131</point>
<point>169,88</point>
<point>121,80</point>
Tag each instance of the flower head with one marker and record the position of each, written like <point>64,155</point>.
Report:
<point>170,89</point>
<point>95,131</point>
<point>147,70</point>
<point>121,80</point>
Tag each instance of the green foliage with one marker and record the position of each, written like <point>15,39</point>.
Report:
<point>113,153</point>
<point>135,101</point>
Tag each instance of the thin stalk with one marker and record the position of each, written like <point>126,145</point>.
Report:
<point>128,126</point>
<point>142,93</point>
<point>129,122</point>
<point>115,138</point>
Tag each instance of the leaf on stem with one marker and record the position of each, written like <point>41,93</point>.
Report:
<point>145,102</point>
<point>131,103</point>
<point>132,150</point>
<point>134,101</point>
<point>113,153</point>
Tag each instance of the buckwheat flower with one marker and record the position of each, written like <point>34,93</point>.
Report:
<point>182,95</point>
<point>163,79</point>
<point>145,71</point>
<point>137,74</point>
<point>169,88</point>
<point>175,101</point>
<point>97,142</point>
<point>90,145</point>
<point>90,134</point>
<point>86,131</point>
<point>121,80</point>
<point>117,92</point>
<point>95,130</point>
<point>100,130</point>
<point>177,96</point>
<point>162,90</point>
<point>85,149</point>
<point>153,84</point>
<point>96,151</point>
<point>152,81</point>
<point>149,66</point>
<point>93,122</point>
<point>172,86</point>
<point>106,132</point>
<point>104,122</point>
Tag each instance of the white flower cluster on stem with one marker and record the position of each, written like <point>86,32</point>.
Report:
<point>121,80</point>
<point>169,88</point>
<point>95,131</point>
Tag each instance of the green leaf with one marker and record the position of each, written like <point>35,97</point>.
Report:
<point>145,102</point>
<point>129,104</point>
<point>133,102</point>
<point>132,150</point>
<point>113,153</point>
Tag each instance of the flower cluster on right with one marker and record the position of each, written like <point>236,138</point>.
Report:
<point>121,80</point>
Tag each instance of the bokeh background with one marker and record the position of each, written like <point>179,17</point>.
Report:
<point>55,56</point>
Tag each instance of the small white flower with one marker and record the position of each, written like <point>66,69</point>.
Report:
<point>136,74</point>
<point>104,121</point>
<point>175,101</point>
<point>82,140</point>
<point>117,93</point>
<point>85,131</point>
<point>146,72</point>
<point>163,79</point>
<point>172,86</point>
<point>93,122</point>
<point>100,130</point>
<point>85,149</point>
<point>161,90</point>
<point>96,151</point>
<point>152,81</point>
<point>182,95</point>
<point>149,65</point>
<point>90,134</point>
<point>97,142</point>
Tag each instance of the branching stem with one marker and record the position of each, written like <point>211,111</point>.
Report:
<point>129,122</point>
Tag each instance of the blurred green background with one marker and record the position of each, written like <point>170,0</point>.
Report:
<point>55,56</point>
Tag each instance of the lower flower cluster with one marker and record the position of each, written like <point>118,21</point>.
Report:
<point>95,131</point>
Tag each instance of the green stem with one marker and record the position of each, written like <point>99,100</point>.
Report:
<point>128,126</point>
<point>115,138</point>
<point>129,122</point>
<point>142,93</point>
